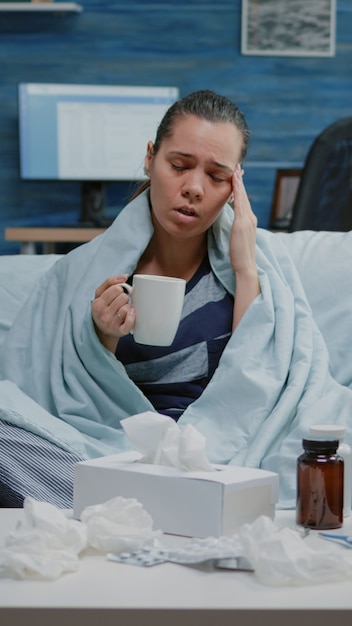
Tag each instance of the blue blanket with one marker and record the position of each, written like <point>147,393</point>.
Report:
<point>272,381</point>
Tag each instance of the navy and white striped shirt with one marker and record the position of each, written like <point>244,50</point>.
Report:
<point>172,377</point>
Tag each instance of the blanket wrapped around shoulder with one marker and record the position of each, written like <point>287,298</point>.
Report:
<point>272,382</point>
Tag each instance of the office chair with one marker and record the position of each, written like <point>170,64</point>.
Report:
<point>324,195</point>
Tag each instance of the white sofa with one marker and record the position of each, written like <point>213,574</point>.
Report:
<point>323,260</point>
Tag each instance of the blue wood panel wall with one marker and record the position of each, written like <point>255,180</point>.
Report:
<point>188,43</point>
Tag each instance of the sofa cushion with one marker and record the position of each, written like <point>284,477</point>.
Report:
<point>324,262</point>
<point>18,274</point>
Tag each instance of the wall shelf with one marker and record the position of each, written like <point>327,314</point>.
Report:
<point>52,7</point>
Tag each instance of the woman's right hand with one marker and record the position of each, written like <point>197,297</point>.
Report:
<point>112,314</point>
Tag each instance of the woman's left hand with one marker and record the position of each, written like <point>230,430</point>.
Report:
<point>243,234</point>
<point>242,249</point>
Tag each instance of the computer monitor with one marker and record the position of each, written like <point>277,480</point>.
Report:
<point>88,133</point>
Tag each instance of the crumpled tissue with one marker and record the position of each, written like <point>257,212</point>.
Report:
<point>48,542</point>
<point>281,556</point>
<point>162,442</point>
<point>44,545</point>
<point>119,524</point>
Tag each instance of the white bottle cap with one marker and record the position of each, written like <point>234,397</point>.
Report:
<point>328,431</point>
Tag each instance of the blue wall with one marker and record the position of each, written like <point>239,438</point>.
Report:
<point>188,43</point>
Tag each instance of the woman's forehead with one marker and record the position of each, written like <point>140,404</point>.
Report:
<point>193,135</point>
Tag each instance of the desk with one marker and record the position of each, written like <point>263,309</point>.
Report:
<point>103,592</point>
<point>49,237</point>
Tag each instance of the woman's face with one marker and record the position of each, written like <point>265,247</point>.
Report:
<point>191,175</point>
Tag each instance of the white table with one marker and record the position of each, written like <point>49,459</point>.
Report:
<point>104,593</point>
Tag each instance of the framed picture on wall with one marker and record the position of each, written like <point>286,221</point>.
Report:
<point>285,190</point>
<point>288,27</point>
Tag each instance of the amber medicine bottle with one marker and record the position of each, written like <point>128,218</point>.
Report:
<point>336,431</point>
<point>320,473</point>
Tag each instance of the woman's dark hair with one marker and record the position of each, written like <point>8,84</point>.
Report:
<point>206,105</point>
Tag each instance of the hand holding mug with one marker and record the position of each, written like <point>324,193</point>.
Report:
<point>112,314</point>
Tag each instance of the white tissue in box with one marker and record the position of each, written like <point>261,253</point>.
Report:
<point>194,504</point>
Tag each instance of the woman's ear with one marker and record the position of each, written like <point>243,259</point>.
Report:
<point>148,157</point>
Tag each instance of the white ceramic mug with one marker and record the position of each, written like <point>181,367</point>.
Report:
<point>158,302</point>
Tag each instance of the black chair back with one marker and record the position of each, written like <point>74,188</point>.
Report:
<point>324,194</point>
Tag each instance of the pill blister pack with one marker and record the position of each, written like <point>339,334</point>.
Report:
<point>345,540</point>
<point>145,557</point>
<point>222,553</point>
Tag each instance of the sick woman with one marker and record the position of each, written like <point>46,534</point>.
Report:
<point>248,367</point>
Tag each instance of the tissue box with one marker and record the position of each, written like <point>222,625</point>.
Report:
<point>193,504</point>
